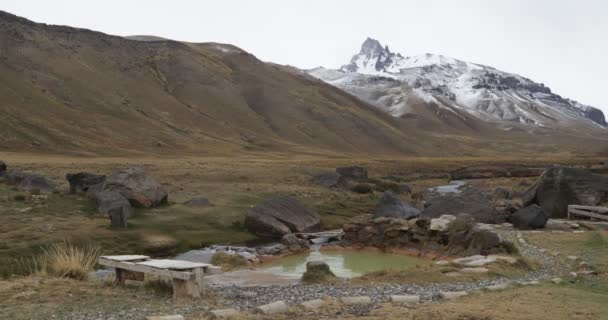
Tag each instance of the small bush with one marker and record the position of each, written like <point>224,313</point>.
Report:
<point>388,186</point>
<point>228,261</point>
<point>362,188</point>
<point>63,260</point>
<point>509,247</point>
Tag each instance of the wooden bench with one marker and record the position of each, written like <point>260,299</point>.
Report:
<point>186,276</point>
<point>600,213</point>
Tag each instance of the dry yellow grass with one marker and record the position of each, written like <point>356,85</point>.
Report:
<point>63,260</point>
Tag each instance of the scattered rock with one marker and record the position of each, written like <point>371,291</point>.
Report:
<point>174,317</point>
<point>293,243</point>
<point>82,181</point>
<point>497,287</point>
<point>2,168</point>
<point>354,172</point>
<point>442,223</point>
<point>223,314</point>
<point>471,202</point>
<point>137,187</point>
<point>116,206</point>
<point>405,299</point>
<point>198,202</point>
<point>14,176</point>
<point>572,258</point>
<point>313,305</point>
<point>405,188</point>
<point>559,187</point>
<point>450,295</point>
<point>442,262</point>
<point>474,270</point>
<point>36,183</point>
<point>557,280</point>
<point>356,300</point>
<point>328,180</point>
<point>279,216</point>
<point>391,206</point>
<point>501,193</point>
<point>530,217</point>
<point>272,308</point>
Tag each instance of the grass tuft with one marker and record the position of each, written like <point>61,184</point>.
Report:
<point>63,260</point>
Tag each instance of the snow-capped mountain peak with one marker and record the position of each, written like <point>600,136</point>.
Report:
<point>391,81</point>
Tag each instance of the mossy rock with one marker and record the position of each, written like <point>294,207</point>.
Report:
<point>318,272</point>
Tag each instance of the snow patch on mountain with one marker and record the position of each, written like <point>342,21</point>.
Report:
<point>390,81</point>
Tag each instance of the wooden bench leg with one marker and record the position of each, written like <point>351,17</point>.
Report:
<point>122,275</point>
<point>185,288</point>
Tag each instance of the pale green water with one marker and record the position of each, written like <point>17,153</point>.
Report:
<point>345,264</point>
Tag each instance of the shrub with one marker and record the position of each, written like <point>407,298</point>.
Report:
<point>318,273</point>
<point>362,188</point>
<point>388,186</point>
<point>228,261</point>
<point>63,260</point>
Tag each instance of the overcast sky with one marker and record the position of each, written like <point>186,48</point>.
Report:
<point>562,43</point>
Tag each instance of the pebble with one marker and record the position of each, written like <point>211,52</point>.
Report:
<point>408,299</point>
<point>272,308</point>
<point>223,314</point>
<point>573,258</point>
<point>497,287</point>
<point>313,305</point>
<point>449,295</point>
<point>356,300</point>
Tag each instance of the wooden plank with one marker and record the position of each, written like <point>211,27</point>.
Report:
<point>597,209</point>
<point>588,214</point>
<point>173,264</point>
<point>183,275</point>
<point>126,257</point>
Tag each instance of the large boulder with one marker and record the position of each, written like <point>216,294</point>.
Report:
<point>531,217</point>
<point>81,182</point>
<point>391,206</point>
<point>471,201</point>
<point>137,187</point>
<point>36,183</point>
<point>559,187</point>
<point>354,172</point>
<point>115,205</point>
<point>279,216</point>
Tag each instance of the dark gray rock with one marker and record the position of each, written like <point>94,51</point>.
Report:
<point>293,243</point>
<point>559,187</point>
<point>81,182</point>
<point>199,202</point>
<point>495,171</point>
<point>14,176</point>
<point>2,168</point>
<point>137,187</point>
<point>391,206</point>
<point>501,193</point>
<point>279,216</point>
<point>530,217</point>
<point>470,201</point>
<point>328,180</point>
<point>36,183</point>
<point>116,206</point>
<point>405,188</point>
<point>354,172</point>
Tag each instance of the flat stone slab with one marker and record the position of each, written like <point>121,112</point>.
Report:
<point>174,317</point>
<point>474,270</point>
<point>450,295</point>
<point>510,260</point>
<point>223,314</point>
<point>126,258</point>
<point>356,300</point>
<point>313,305</point>
<point>405,299</point>
<point>173,264</point>
<point>480,262</point>
<point>468,259</point>
<point>272,308</point>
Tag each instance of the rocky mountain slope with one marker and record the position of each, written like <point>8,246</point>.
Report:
<point>399,85</point>
<point>67,89</point>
